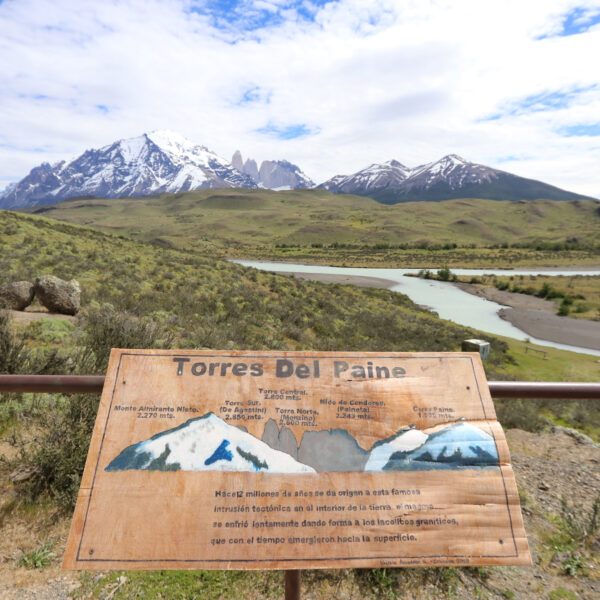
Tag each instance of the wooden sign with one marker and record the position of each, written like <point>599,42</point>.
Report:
<point>293,460</point>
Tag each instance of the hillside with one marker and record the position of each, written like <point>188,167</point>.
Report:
<point>253,218</point>
<point>212,303</point>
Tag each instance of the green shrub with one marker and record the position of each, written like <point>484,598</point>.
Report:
<point>574,565</point>
<point>519,414</point>
<point>39,558</point>
<point>563,309</point>
<point>105,328</point>
<point>444,274</point>
<point>50,331</point>
<point>16,357</point>
<point>13,355</point>
<point>562,594</point>
<point>582,307</point>
<point>56,456</point>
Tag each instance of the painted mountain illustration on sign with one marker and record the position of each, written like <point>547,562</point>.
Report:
<point>457,446</point>
<point>208,443</point>
<point>407,439</point>
<point>205,443</point>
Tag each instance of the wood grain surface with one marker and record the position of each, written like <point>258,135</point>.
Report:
<point>288,460</point>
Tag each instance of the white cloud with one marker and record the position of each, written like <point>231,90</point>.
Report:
<point>376,79</point>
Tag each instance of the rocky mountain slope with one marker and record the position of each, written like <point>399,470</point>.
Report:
<point>164,161</point>
<point>449,177</point>
<point>273,174</point>
<point>153,163</point>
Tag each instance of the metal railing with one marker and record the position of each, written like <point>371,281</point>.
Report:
<point>92,384</point>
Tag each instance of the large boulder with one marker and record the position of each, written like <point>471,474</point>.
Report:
<point>17,295</point>
<point>57,295</point>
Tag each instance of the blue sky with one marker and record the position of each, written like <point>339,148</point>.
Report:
<point>575,21</point>
<point>547,101</point>
<point>332,86</point>
<point>285,132</point>
<point>241,17</point>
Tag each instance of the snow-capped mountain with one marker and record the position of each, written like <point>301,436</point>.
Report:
<point>461,445</point>
<point>449,177</point>
<point>164,161</point>
<point>205,443</point>
<point>273,174</point>
<point>374,178</point>
<point>153,163</point>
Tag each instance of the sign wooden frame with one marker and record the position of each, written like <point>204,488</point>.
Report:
<point>294,460</point>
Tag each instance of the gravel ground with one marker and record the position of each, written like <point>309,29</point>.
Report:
<point>538,318</point>
<point>54,589</point>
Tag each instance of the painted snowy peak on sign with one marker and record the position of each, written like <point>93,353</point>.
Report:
<point>206,443</point>
<point>458,446</point>
<point>407,439</point>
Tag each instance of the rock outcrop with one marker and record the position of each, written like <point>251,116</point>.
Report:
<point>57,295</point>
<point>17,295</point>
<point>273,174</point>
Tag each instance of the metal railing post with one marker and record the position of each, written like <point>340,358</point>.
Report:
<point>293,579</point>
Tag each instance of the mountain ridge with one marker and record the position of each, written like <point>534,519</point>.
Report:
<point>152,163</point>
<point>448,178</point>
<point>164,161</point>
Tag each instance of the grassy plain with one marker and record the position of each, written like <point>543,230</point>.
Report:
<point>319,227</point>
<point>206,302</point>
<point>421,258</point>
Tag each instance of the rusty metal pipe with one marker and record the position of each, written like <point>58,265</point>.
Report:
<point>52,384</point>
<point>92,384</point>
<point>539,389</point>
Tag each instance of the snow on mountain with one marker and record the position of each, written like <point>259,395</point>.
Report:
<point>153,163</point>
<point>206,443</point>
<point>393,175</point>
<point>165,161</point>
<point>452,170</point>
<point>405,440</point>
<point>461,445</point>
<point>449,177</point>
<point>375,177</point>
